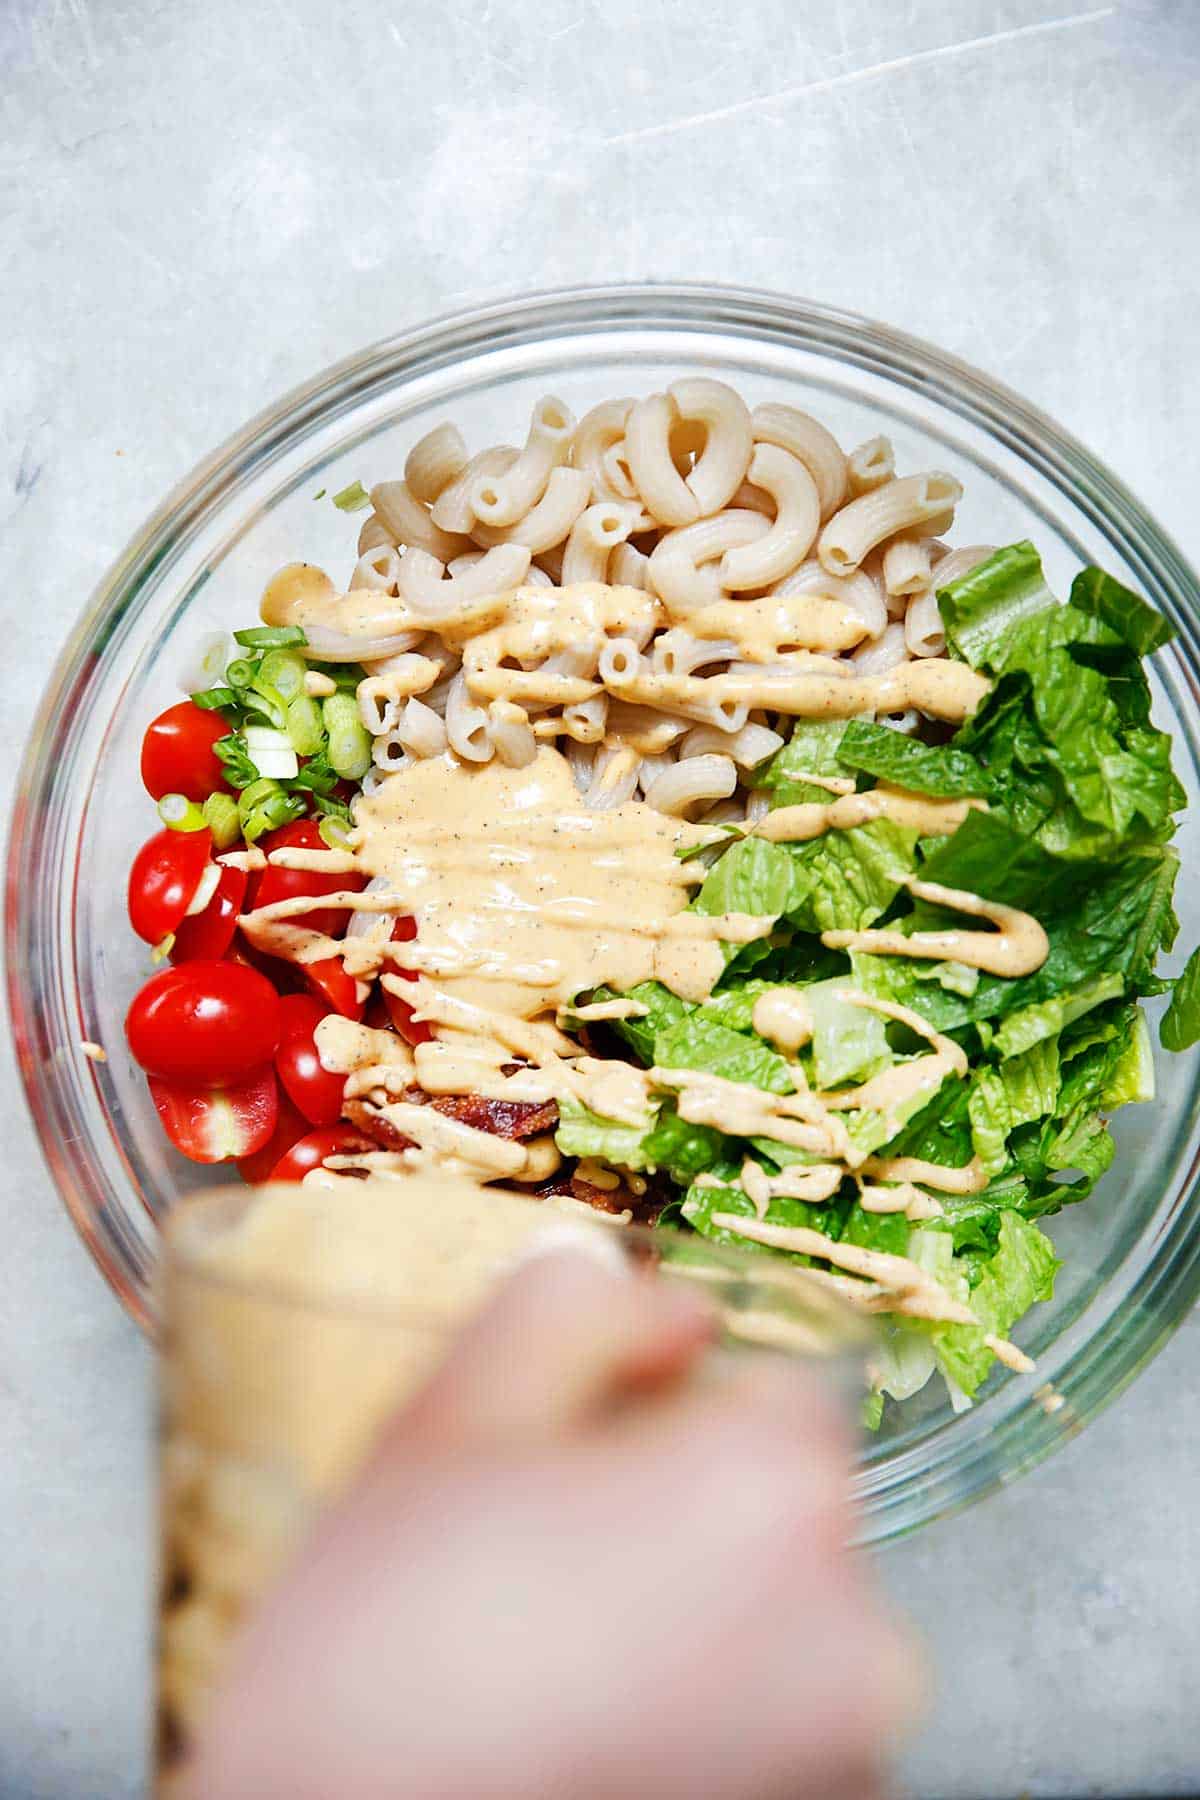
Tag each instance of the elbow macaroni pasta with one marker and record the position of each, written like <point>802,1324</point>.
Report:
<point>736,541</point>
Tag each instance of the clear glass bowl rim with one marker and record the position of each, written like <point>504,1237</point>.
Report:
<point>955,1464</point>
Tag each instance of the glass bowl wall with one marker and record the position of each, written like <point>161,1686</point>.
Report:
<point>1132,1253</point>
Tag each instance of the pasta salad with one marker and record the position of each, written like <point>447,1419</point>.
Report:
<point>668,814</point>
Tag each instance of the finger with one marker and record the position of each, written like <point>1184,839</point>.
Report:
<point>565,1338</point>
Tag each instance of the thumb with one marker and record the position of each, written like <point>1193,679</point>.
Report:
<point>566,1336</point>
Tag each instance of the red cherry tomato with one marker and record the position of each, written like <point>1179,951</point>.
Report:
<point>316,1092</point>
<point>204,1024</point>
<point>414,1031</point>
<point>178,755</point>
<point>285,977</point>
<point>329,982</point>
<point>163,881</point>
<point>274,883</point>
<point>206,936</point>
<point>310,1152</point>
<point>290,1126</point>
<point>211,1125</point>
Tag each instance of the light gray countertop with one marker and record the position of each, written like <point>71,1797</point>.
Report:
<point>200,205</point>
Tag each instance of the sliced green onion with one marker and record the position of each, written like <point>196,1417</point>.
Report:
<point>231,751</point>
<point>214,698</point>
<point>204,667</point>
<point>317,775</point>
<point>264,806</point>
<point>353,498</point>
<point>261,697</point>
<point>271,752</point>
<point>304,727</point>
<point>283,672</point>
<point>320,494</point>
<point>180,813</point>
<point>269,637</point>
<point>221,817</point>
<point>241,673</point>
<point>349,741</point>
<point>335,831</point>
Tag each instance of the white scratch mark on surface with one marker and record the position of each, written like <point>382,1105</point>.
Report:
<point>872,72</point>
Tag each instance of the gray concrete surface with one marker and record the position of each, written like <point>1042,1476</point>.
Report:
<point>202,204</point>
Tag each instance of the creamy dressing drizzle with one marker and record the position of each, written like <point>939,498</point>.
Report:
<point>813,818</point>
<point>523,900</point>
<point>1017,947</point>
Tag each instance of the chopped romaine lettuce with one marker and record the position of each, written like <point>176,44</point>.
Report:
<point>937,769</point>
<point>695,1043</point>
<point>811,750</point>
<point>849,1043</point>
<point>1180,1026</point>
<point>845,880</point>
<point>1018,1273</point>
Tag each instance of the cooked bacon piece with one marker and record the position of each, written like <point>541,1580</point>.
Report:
<point>516,1119</point>
<point>644,1207</point>
<point>512,1119</point>
<point>371,1122</point>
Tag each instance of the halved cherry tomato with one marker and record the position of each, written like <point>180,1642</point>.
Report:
<point>177,752</point>
<point>163,880</point>
<point>329,982</point>
<point>204,1023</point>
<point>290,1127</point>
<point>274,883</point>
<point>310,1152</point>
<point>414,1031</point>
<point>207,935</point>
<point>210,1124</point>
<point>316,1092</point>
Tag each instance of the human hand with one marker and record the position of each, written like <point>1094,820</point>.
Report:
<point>581,1564</point>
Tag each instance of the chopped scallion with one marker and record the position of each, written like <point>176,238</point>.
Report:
<point>353,498</point>
<point>221,817</point>
<point>283,672</point>
<point>214,698</point>
<point>270,637</point>
<point>335,831</point>
<point>241,673</point>
<point>304,727</point>
<point>349,742</point>
<point>180,813</point>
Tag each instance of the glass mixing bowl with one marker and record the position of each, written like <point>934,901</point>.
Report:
<point>1132,1252</point>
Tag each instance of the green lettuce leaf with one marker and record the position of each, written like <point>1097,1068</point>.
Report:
<point>1132,1080</point>
<point>1032,1024</point>
<point>686,1150</point>
<point>581,1132</point>
<point>752,876</point>
<point>1019,1273</point>
<point>702,1203</point>
<point>734,1006</point>
<point>941,1131</point>
<point>695,1043</point>
<point>980,610</point>
<point>941,770</point>
<point>663,1008</point>
<point>811,750</point>
<point>902,1360</point>
<point>1020,1090</point>
<point>1135,623</point>
<point>845,880</point>
<point>849,1043</point>
<point>1179,1028</point>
